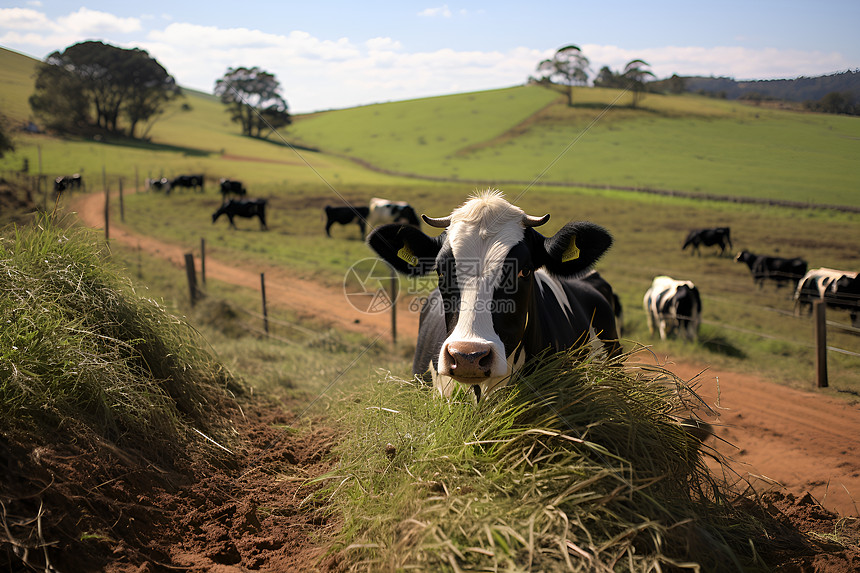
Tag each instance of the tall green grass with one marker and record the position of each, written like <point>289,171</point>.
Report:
<point>577,466</point>
<point>80,349</point>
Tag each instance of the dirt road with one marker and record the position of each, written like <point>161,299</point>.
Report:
<point>806,441</point>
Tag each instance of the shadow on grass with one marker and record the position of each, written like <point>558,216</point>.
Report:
<point>149,146</point>
<point>719,344</point>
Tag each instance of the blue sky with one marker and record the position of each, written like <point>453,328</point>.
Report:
<point>329,54</point>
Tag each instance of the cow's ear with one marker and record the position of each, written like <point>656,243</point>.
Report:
<point>575,247</point>
<point>405,248</point>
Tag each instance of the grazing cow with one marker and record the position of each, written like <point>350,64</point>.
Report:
<point>593,278</point>
<point>844,293</point>
<point>777,269</point>
<point>231,187</point>
<point>243,208</point>
<point>708,237</point>
<point>814,285</point>
<point>505,293</point>
<point>162,184</point>
<point>344,216</point>
<point>68,182</point>
<point>188,181</point>
<point>382,211</point>
<point>671,304</point>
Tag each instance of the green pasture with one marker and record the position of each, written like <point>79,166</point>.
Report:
<point>683,143</point>
<point>17,81</point>
<point>745,327</point>
<point>686,143</point>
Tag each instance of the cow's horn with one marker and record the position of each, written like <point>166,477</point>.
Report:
<point>530,221</point>
<point>440,223</point>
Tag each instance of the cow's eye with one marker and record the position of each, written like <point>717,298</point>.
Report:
<point>524,273</point>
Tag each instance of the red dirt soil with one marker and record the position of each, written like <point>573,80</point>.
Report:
<point>807,443</point>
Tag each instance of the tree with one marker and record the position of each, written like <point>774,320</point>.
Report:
<point>151,88</point>
<point>5,140</point>
<point>634,75</point>
<point>60,101</point>
<point>253,98</point>
<point>606,78</point>
<point>569,66</point>
<point>677,84</point>
<point>112,81</point>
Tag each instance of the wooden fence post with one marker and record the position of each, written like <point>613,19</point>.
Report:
<point>107,205</point>
<point>192,277</point>
<point>819,317</point>
<point>393,305</point>
<point>265,312</point>
<point>203,261</point>
<point>45,196</point>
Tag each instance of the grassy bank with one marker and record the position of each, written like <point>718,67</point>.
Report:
<point>581,467</point>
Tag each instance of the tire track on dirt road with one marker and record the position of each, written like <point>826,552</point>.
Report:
<point>805,440</point>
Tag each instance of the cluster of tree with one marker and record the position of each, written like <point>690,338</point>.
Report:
<point>253,98</point>
<point>835,102</point>
<point>93,84</point>
<point>570,67</point>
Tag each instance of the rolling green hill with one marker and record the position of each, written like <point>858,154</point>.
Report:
<point>16,79</point>
<point>681,143</point>
<point>520,136</point>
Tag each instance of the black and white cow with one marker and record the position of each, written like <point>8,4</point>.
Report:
<point>162,184</point>
<point>708,237</point>
<point>672,304</point>
<point>811,287</point>
<point>243,208</point>
<point>777,269</point>
<point>188,181</point>
<point>814,285</point>
<point>844,293</point>
<point>504,293</point>
<point>382,211</point>
<point>593,278</point>
<point>231,187</point>
<point>345,215</point>
<point>69,182</point>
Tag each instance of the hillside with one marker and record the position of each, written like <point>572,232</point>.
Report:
<point>16,84</point>
<point>518,137</point>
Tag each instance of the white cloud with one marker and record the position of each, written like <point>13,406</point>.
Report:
<point>442,11</point>
<point>23,19</point>
<point>32,31</point>
<point>318,73</point>
<point>92,22</point>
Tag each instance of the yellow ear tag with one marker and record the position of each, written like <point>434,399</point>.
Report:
<point>572,251</point>
<point>407,255</point>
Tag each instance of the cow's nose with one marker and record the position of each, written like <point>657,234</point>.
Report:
<point>470,359</point>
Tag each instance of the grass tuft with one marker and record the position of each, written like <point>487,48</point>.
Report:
<point>81,350</point>
<point>578,466</point>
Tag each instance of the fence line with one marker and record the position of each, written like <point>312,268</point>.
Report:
<point>777,338</point>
